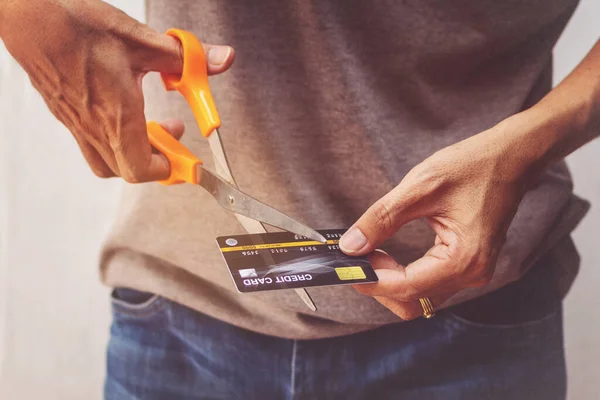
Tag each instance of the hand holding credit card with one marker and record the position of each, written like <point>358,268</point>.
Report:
<point>283,260</point>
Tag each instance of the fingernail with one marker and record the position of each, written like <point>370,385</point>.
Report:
<point>353,240</point>
<point>218,55</point>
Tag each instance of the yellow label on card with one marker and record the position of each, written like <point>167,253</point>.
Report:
<point>350,273</point>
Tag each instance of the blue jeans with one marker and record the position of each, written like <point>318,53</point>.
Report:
<point>162,350</point>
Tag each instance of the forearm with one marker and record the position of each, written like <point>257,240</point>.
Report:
<point>3,7</point>
<point>569,116</point>
<point>6,6</point>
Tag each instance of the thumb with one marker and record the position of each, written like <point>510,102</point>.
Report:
<point>166,56</point>
<point>218,58</point>
<point>379,222</point>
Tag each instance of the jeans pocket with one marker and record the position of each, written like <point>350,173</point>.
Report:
<point>530,307</point>
<point>539,330</point>
<point>134,303</point>
<point>537,325</point>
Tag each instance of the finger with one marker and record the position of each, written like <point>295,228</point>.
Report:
<point>97,164</point>
<point>218,58</point>
<point>435,271</point>
<point>410,310</point>
<point>174,127</point>
<point>379,259</point>
<point>130,142</point>
<point>388,272</point>
<point>153,51</point>
<point>105,151</point>
<point>425,277</point>
<point>385,266</point>
<point>166,55</point>
<point>380,222</point>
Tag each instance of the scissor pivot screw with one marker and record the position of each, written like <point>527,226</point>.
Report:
<point>231,199</point>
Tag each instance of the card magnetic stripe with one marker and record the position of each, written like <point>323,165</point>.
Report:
<point>276,245</point>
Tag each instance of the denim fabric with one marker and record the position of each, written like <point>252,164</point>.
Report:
<point>161,350</point>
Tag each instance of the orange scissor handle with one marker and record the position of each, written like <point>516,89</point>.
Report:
<point>193,85</point>
<point>193,82</point>
<point>182,161</point>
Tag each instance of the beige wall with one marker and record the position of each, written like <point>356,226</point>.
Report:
<point>582,307</point>
<point>54,314</point>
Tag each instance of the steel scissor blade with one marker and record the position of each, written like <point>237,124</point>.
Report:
<point>251,225</point>
<point>220,157</point>
<point>235,200</point>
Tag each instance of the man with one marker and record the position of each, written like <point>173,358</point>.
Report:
<point>436,117</point>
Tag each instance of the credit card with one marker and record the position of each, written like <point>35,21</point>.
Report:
<point>283,260</point>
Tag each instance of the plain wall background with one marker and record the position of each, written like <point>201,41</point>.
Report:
<point>54,214</point>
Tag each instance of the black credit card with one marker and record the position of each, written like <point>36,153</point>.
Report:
<point>283,260</point>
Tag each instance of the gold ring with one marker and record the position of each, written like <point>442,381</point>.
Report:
<point>427,305</point>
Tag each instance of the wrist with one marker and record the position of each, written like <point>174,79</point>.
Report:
<point>557,128</point>
<point>568,116</point>
<point>536,138</point>
<point>514,150</point>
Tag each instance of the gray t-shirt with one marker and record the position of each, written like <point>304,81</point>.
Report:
<point>328,105</point>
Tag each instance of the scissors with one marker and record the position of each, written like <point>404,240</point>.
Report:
<point>186,167</point>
